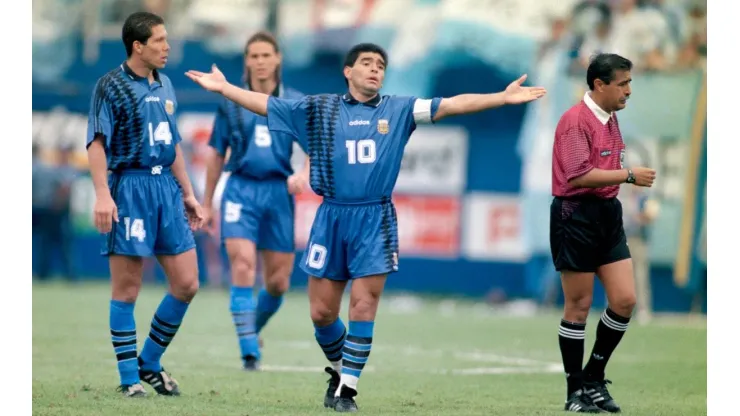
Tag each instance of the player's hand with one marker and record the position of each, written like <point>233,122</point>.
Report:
<point>516,94</point>
<point>212,81</point>
<point>644,176</point>
<point>105,212</point>
<point>194,212</point>
<point>297,183</point>
<point>208,219</point>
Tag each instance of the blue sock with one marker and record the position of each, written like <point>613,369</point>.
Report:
<point>355,352</point>
<point>123,336</point>
<point>267,305</point>
<point>242,312</point>
<point>165,324</point>
<point>331,341</point>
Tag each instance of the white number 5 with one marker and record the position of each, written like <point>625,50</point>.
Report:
<point>161,134</point>
<point>362,151</point>
<point>134,229</point>
<point>262,136</point>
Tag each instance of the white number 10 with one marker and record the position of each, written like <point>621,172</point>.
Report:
<point>362,151</point>
<point>160,134</point>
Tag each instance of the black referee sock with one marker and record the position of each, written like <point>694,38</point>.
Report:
<point>608,334</point>
<point>572,336</point>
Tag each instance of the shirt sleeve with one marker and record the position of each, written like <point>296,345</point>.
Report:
<point>99,120</point>
<point>574,149</point>
<point>287,116</point>
<point>221,131</point>
<point>424,110</point>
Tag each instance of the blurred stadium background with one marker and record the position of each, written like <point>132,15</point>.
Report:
<point>473,195</point>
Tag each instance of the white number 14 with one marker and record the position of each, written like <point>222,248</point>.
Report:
<point>161,134</point>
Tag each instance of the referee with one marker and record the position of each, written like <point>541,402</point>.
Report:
<point>586,232</point>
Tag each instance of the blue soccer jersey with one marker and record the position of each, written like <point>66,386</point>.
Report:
<point>355,148</point>
<point>355,151</point>
<point>256,205</point>
<point>135,120</point>
<point>256,151</point>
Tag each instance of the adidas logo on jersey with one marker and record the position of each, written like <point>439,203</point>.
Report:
<point>359,123</point>
<point>151,98</point>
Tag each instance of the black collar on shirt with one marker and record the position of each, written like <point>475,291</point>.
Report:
<point>130,72</point>
<point>373,102</point>
<point>277,92</point>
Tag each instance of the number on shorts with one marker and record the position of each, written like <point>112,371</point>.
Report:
<point>262,136</point>
<point>161,134</point>
<point>362,151</point>
<point>232,211</point>
<point>316,256</point>
<point>134,228</point>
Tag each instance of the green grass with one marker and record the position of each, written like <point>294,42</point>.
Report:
<point>424,361</point>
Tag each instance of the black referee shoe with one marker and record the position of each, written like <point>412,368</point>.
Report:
<point>599,394</point>
<point>579,402</point>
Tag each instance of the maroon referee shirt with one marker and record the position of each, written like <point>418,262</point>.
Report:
<point>586,137</point>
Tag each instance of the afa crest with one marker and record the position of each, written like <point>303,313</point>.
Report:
<point>383,126</point>
<point>169,107</point>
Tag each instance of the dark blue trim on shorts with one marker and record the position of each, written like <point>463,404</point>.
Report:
<point>154,171</point>
<point>380,201</point>
<point>115,182</point>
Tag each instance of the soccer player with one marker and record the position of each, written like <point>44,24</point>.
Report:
<point>355,142</point>
<point>146,207</point>
<point>257,206</point>
<point>586,231</point>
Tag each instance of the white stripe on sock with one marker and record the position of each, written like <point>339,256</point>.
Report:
<point>611,323</point>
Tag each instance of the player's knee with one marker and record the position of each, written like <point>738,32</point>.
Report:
<point>624,304</point>
<point>126,293</point>
<point>577,307</point>
<point>126,288</point>
<point>278,282</point>
<point>278,286</point>
<point>364,307</point>
<point>242,269</point>
<point>186,291</point>
<point>322,314</point>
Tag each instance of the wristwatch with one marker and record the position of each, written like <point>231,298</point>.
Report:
<point>630,176</point>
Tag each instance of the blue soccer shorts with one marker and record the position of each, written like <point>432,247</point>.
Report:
<point>261,211</point>
<point>350,241</point>
<point>151,215</point>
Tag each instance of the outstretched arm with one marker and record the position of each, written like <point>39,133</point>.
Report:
<point>515,93</point>
<point>215,81</point>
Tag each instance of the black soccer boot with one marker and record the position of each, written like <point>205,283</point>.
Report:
<point>579,402</point>
<point>333,384</point>
<point>132,390</point>
<point>250,363</point>
<point>599,394</point>
<point>345,403</point>
<point>161,381</point>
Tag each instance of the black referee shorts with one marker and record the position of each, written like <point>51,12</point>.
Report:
<point>586,233</point>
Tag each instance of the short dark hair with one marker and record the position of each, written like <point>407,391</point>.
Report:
<point>603,66</point>
<point>138,27</point>
<point>356,50</point>
<point>361,48</point>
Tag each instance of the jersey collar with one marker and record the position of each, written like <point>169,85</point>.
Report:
<point>373,102</point>
<point>278,92</point>
<point>602,115</point>
<point>130,72</point>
